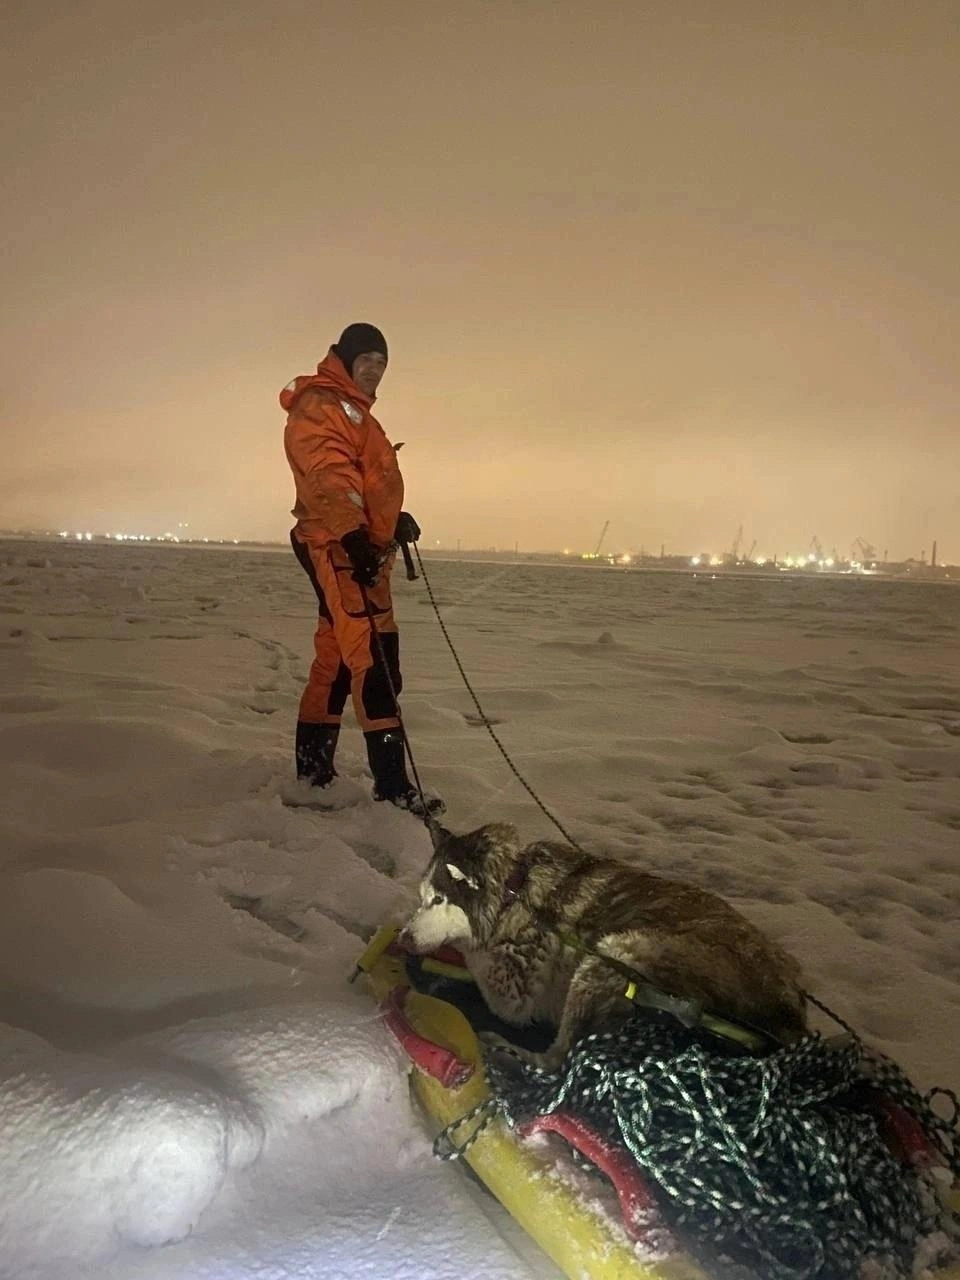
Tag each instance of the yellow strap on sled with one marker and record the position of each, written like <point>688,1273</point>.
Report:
<point>689,1012</point>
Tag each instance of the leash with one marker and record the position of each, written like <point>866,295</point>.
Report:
<point>428,821</point>
<point>482,714</point>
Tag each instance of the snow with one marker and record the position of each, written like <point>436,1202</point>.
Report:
<point>189,1086</point>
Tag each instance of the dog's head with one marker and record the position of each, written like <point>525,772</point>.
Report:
<point>461,888</point>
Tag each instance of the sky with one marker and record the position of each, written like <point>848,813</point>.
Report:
<point>680,266</point>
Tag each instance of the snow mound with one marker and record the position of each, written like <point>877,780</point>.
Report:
<point>98,1153</point>
<point>131,1147</point>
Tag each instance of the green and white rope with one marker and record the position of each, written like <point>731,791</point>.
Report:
<point>775,1161</point>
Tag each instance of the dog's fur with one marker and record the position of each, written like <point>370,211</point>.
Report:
<point>507,908</point>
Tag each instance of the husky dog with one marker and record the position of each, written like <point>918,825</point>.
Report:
<point>539,927</point>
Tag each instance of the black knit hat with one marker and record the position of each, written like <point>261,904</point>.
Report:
<point>359,340</point>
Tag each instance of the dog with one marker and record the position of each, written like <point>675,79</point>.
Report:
<point>548,935</point>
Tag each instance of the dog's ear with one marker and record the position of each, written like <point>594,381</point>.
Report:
<point>456,873</point>
<point>500,837</point>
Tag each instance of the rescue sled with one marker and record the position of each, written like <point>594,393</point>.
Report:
<point>579,1233</point>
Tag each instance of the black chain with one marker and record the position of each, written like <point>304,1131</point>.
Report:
<point>482,714</point>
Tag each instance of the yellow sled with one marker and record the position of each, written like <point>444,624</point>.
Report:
<point>585,1243</point>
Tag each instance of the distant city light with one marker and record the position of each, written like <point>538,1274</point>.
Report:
<point>85,536</point>
<point>804,563</point>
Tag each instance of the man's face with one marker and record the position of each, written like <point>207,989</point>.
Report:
<point>368,369</point>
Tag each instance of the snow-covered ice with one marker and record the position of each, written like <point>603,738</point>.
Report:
<point>188,1084</point>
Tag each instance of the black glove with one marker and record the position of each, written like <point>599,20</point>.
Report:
<point>407,528</point>
<point>364,556</point>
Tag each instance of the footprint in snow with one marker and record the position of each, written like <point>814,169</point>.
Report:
<point>259,910</point>
<point>377,858</point>
<point>289,927</point>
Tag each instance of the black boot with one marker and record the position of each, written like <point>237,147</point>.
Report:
<point>316,744</point>
<point>390,782</point>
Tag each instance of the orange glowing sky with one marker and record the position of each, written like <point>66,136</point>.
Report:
<point>679,265</point>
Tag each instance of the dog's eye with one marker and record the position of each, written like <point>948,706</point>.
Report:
<point>437,900</point>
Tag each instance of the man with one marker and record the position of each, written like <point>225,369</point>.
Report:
<point>348,510</point>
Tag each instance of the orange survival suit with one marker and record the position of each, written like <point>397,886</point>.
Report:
<point>346,476</point>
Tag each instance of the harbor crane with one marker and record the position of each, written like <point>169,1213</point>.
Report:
<point>603,534</point>
<point>735,550</point>
<point>863,551</point>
